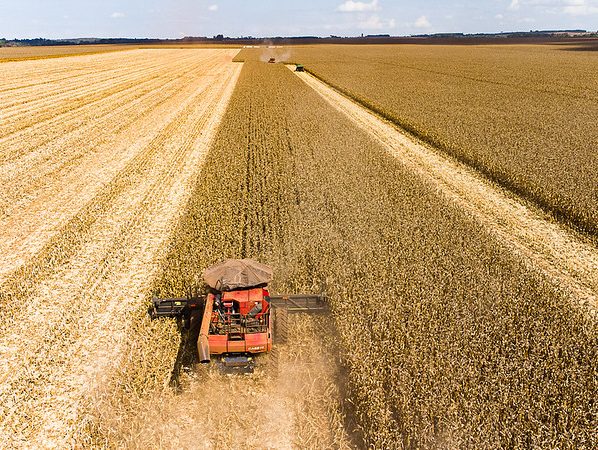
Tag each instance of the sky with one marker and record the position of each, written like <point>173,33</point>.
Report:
<point>54,19</point>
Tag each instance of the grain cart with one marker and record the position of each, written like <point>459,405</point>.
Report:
<point>237,318</point>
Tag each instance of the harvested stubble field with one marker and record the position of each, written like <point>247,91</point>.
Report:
<point>523,114</point>
<point>8,54</point>
<point>442,336</point>
<point>98,154</point>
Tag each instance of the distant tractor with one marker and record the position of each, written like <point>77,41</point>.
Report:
<point>272,60</point>
<point>299,68</point>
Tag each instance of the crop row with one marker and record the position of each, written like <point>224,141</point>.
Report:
<point>62,170</point>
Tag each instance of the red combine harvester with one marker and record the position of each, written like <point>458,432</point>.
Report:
<point>238,318</point>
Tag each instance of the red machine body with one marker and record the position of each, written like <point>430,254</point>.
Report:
<point>240,322</point>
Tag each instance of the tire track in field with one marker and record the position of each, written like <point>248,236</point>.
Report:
<point>27,74</point>
<point>117,73</point>
<point>20,96</point>
<point>48,81</point>
<point>68,101</point>
<point>565,257</point>
<point>48,109</point>
<point>84,303</point>
<point>125,179</point>
<point>14,72</point>
<point>57,202</point>
<point>21,143</point>
<point>110,182</point>
<point>19,115</point>
<point>28,55</point>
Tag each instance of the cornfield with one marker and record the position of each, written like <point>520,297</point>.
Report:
<point>448,339</point>
<point>440,335</point>
<point>523,114</point>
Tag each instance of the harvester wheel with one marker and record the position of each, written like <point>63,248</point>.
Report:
<point>281,325</point>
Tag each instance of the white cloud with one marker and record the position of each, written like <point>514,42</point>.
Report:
<point>374,22</point>
<point>422,22</point>
<point>117,15</point>
<point>351,6</point>
<point>213,7</point>
<point>580,8</point>
<point>569,7</point>
<point>499,17</point>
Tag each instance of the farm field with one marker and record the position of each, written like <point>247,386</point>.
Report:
<point>526,230</point>
<point>56,51</point>
<point>445,334</point>
<point>461,316</point>
<point>523,114</point>
<point>8,54</point>
<point>98,154</point>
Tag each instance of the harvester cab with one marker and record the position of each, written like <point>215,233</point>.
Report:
<point>272,60</point>
<point>299,68</point>
<point>238,318</point>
